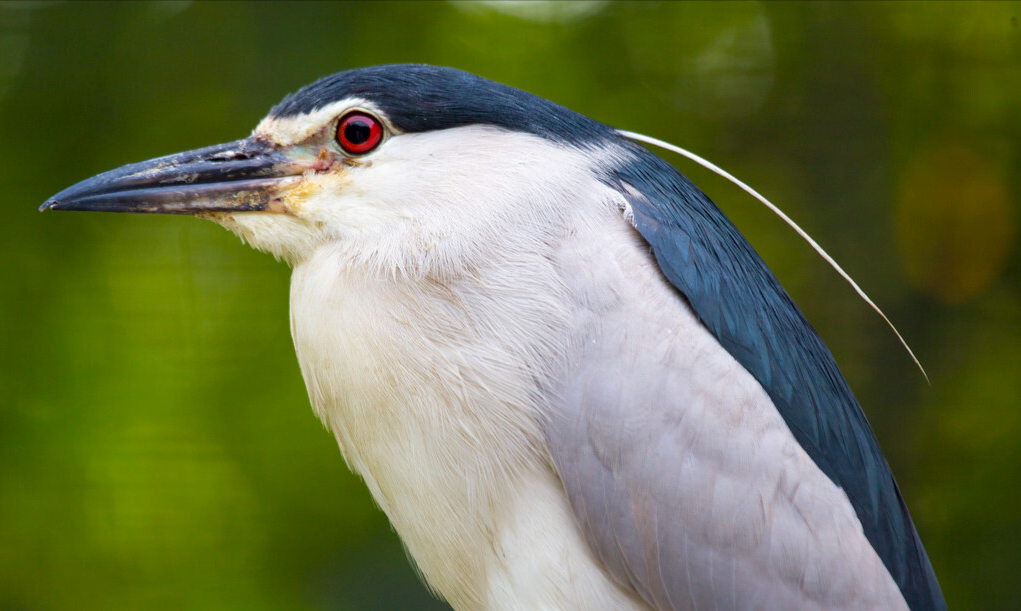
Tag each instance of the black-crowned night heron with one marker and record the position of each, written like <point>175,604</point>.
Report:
<point>564,375</point>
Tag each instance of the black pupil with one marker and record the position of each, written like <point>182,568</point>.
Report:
<point>358,131</point>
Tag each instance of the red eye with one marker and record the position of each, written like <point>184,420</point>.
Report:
<point>359,133</point>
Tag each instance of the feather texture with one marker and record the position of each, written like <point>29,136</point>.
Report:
<point>738,299</point>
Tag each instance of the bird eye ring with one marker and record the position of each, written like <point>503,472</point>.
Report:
<point>358,133</point>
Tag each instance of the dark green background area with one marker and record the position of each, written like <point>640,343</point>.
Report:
<point>157,450</point>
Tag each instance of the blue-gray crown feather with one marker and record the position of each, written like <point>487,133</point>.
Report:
<point>420,98</point>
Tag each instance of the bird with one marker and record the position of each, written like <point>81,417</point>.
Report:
<point>561,371</point>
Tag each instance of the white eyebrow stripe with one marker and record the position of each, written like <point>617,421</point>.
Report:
<point>287,131</point>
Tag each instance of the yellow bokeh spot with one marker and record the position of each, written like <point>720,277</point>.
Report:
<point>955,222</point>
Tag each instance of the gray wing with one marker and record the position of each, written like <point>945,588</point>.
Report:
<point>684,476</point>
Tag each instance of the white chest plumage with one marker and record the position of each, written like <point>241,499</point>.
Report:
<point>435,390</point>
<point>436,409</point>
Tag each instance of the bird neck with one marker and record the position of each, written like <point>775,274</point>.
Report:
<point>432,389</point>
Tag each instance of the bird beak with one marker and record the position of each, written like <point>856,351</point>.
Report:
<point>242,176</point>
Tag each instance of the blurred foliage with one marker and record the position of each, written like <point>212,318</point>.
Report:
<point>156,446</point>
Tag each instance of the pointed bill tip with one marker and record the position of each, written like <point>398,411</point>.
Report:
<point>241,176</point>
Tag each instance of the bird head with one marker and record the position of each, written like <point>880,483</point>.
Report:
<point>414,167</point>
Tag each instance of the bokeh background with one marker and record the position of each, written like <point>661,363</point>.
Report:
<point>157,450</point>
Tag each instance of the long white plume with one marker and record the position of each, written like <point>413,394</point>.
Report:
<point>705,163</point>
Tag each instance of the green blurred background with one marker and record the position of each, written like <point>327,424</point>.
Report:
<point>157,450</point>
